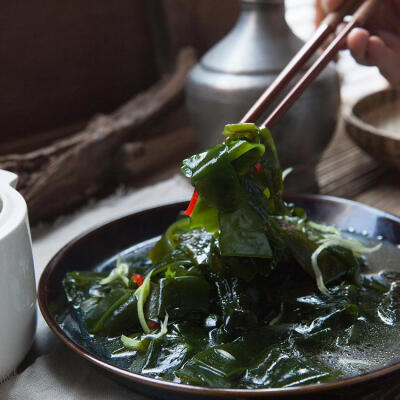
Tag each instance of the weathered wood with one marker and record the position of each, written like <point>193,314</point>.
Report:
<point>141,158</point>
<point>170,141</point>
<point>70,171</point>
<point>62,62</point>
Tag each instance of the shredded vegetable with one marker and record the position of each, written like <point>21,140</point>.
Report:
<point>330,240</point>
<point>141,294</point>
<point>119,272</point>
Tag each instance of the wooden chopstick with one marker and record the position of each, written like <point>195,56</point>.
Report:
<point>359,18</point>
<point>326,27</point>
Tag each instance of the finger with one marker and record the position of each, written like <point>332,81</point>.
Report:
<point>379,54</point>
<point>391,40</point>
<point>357,42</point>
<point>331,5</point>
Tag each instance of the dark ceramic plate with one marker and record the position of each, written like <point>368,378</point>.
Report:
<point>93,248</point>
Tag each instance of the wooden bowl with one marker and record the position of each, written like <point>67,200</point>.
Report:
<point>93,248</point>
<point>374,125</point>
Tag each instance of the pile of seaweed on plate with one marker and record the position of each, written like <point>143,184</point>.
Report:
<point>243,290</point>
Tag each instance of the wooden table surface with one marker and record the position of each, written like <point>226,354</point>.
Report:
<point>344,170</point>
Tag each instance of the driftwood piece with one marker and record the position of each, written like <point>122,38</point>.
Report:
<point>170,141</point>
<point>90,56</point>
<point>68,172</point>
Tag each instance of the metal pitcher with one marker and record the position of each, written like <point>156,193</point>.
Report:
<point>233,74</point>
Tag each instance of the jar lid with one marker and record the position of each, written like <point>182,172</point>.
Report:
<point>261,42</point>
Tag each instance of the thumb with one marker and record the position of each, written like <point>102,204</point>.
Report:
<point>387,60</point>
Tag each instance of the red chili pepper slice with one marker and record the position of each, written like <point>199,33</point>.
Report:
<point>152,325</point>
<point>138,279</point>
<point>192,203</point>
<point>258,168</point>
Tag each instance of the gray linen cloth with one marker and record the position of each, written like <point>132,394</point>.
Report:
<point>56,372</point>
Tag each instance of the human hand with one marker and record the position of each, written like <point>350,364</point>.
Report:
<point>378,44</point>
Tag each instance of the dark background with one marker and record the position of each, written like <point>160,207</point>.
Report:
<point>63,61</point>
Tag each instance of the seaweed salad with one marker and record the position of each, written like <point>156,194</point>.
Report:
<point>242,290</point>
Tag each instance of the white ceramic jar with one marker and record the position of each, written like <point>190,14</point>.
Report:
<point>17,278</point>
